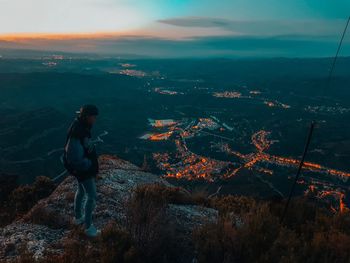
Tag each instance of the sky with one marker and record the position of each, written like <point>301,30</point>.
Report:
<point>177,28</point>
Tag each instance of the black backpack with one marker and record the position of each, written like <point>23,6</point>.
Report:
<point>90,155</point>
<point>66,165</point>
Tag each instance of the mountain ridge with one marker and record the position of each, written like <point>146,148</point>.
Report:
<point>115,184</point>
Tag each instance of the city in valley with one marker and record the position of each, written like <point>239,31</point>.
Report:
<point>223,131</point>
<point>185,164</point>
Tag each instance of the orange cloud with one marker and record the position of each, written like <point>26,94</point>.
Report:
<point>59,36</point>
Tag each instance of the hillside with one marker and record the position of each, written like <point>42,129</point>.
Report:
<point>48,225</point>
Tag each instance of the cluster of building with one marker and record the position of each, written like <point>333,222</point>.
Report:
<point>127,65</point>
<point>171,126</point>
<point>133,73</point>
<point>54,57</point>
<point>184,164</point>
<point>255,92</point>
<point>335,195</point>
<point>162,123</point>
<point>228,94</point>
<point>276,104</point>
<point>50,64</point>
<point>262,143</point>
<point>327,109</point>
<point>239,95</point>
<point>206,123</point>
<point>52,61</point>
<point>166,91</point>
<point>189,166</point>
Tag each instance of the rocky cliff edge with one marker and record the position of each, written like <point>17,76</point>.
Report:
<point>116,182</point>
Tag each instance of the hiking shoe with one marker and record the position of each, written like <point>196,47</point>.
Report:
<point>92,231</point>
<point>79,221</point>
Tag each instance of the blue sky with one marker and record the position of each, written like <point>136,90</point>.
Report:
<point>176,28</point>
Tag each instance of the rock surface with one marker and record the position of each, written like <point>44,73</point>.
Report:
<point>116,181</point>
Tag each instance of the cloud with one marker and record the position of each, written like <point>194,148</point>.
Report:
<point>196,22</point>
<point>204,37</point>
<point>264,27</point>
<point>205,46</point>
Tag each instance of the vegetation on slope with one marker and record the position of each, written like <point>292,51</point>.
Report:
<point>247,230</point>
<point>17,200</point>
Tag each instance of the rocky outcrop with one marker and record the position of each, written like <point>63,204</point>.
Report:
<point>116,181</point>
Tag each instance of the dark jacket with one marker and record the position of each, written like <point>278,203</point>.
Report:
<point>80,155</point>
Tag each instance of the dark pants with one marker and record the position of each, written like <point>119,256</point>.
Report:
<point>86,188</point>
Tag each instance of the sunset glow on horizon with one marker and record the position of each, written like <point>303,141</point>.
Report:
<point>60,36</point>
<point>145,27</point>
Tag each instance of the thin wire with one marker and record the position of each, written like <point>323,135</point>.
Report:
<point>301,164</point>
<point>337,53</point>
<point>312,126</point>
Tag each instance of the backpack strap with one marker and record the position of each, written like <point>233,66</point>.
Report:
<point>78,130</point>
<point>74,130</point>
<point>68,135</point>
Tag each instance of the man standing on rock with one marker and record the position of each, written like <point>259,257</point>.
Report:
<point>80,160</point>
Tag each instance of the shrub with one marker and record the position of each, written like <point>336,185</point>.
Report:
<point>259,230</point>
<point>247,230</point>
<point>322,237</point>
<point>42,187</point>
<point>8,183</point>
<point>76,251</point>
<point>114,245</point>
<point>287,247</point>
<point>145,219</point>
<point>22,198</point>
<point>26,196</point>
<point>147,222</point>
<point>117,246</point>
<point>25,255</point>
<point>233,204</point>
<point>44,215</point>
<point>216,242</point>
<point>171,195</point>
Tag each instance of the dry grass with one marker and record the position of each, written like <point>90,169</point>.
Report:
<point>260,237</point>
<point>70,197</point>
<point>44,215</point>
<point>171,195</point>
<point>114,245</point>
<point>150,227</point>
<point>246,231</point>
<point>25,197</point>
